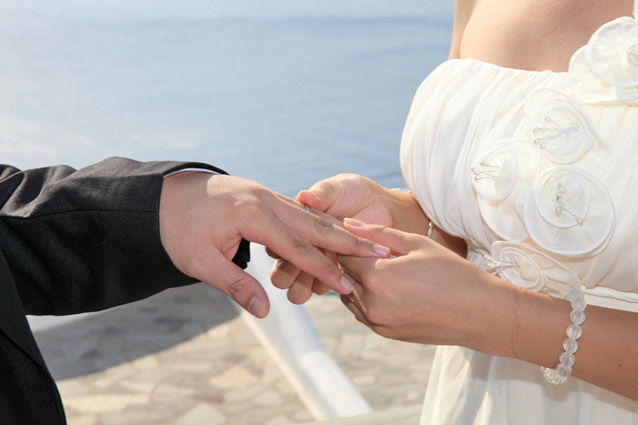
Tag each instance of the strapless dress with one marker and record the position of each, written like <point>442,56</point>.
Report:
<point>537,172</point>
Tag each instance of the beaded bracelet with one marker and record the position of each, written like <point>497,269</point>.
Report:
<point>567,359</point>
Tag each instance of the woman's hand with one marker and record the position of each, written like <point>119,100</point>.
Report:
<point>425,294</point>
<point>348,195</point>
<point>355,196</point>
<point>429,295</point>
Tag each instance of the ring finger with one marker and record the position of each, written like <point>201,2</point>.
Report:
<point>351,302</point>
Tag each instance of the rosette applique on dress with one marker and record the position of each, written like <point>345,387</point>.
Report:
<point>606,69</point>
<point>546,192</point>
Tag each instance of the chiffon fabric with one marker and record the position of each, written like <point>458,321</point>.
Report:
<point>537,171</point>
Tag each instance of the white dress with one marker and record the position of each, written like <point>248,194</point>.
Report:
<point>538,172</point>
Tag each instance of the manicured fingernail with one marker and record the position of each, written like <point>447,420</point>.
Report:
<point>280,263</point>
<point>256,307</point>
<point>381,250</point>
<point>353,222</point>
<point>347,285</point>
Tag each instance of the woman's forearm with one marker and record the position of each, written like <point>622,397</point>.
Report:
<point>428,295</point>
<point>531,326</point>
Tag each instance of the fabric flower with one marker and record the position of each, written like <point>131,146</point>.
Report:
<point>605,70</point>
<point>568,211</point>
<point>562,132</point>
<point>501,177</point>
<point>529,268</point>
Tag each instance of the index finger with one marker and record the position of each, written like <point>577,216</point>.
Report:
<point>270,231</point>
<point>327,232</point>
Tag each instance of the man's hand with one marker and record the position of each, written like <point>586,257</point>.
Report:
<point>425,293</point>
<point>203,218</point>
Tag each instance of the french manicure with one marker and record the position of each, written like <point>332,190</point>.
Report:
<point>381,250</point>
<point>353,222</point>
<point>346,284</point>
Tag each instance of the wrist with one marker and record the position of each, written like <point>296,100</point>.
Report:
<point>487,314</point>
<point>406,212</point>
<point>518,321</point>
<point>500,311</point>
<point>178,189</point>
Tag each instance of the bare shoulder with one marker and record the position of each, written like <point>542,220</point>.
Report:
<point>530,34</point>
<point>462,13</point>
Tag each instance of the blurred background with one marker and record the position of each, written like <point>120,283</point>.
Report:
<point>286,92</point>
<point>283,91</point>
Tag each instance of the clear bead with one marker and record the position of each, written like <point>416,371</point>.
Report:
<point>564,371</point>
<point>574,332</point>
<point>577,317</point>
<point>579,304</point>
<point>570,345</point>
<point>567,359</point>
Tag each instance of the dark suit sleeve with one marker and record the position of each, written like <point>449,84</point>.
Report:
<point>88,239</point>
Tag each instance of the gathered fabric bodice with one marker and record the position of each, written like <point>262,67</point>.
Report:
<point>537,170</point>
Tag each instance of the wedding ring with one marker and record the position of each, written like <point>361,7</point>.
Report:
<point>351,294</point>
<point>304,206</point>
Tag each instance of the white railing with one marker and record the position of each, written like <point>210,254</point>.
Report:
<point>290,337</point>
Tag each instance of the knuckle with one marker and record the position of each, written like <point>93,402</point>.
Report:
<point>323,227</point>
<point>252,203</point>
<point>279,281</point>
<point>378,229</point>
<point>381,270</point>
<point>360,243</point>
<point>326,269</point>
<point>248,208</point>
<point>297,297</point>
<point>319,288</point>
<point>302,246</point>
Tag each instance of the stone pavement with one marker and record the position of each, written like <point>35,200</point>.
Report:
<point>186,357</point>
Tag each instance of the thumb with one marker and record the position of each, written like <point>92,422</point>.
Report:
<point>306,197</point>
<point>229,278</point>
<point>321,196</point>
<point>400,243</point>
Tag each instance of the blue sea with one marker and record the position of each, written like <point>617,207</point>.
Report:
<point>286,92</point>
